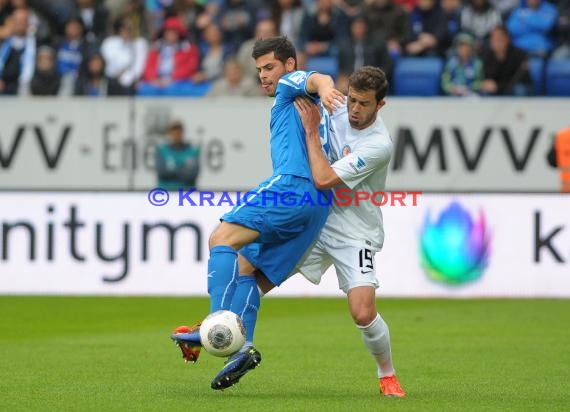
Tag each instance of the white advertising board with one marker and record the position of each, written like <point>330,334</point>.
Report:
<point>109,144</point>
<point>119,244</point>
<point>440,144</point>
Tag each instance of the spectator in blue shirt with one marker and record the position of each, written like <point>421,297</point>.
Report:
<point>71,52</point>
<point>530,27</point>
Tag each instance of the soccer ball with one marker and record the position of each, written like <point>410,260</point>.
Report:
<point>222,333</point>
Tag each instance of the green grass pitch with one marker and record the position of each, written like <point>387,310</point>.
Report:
<point>114,354</point>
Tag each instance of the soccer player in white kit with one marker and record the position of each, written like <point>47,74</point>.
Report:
<point>360,151</point>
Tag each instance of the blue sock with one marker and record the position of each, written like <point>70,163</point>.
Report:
<point>223,272</point>
<point>246,303</point>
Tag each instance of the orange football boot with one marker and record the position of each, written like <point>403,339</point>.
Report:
<point>188,340</point>
<point>389,386</point>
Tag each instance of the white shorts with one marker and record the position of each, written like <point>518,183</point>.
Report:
<point>354,265</point>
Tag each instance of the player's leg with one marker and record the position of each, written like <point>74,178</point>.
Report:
<point>247,297</point>
<point>251,285</point>
<point>223,267</point>
<point>376,337</point>
<point>357,278</point>
<point>375,332</point>
<point>245,303</point>
<point>223,273</point>
<point>244,298</point>
<point>250,288</point>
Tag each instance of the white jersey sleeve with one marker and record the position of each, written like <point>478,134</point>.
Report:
<point>367,157</point>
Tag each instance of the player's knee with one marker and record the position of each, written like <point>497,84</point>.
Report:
<point>364,315</point>
<point>217,238</point>
<point>211,239</point>
<point>210,242</point>
<point>234,236</point>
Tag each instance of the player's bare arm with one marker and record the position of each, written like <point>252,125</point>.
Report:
<point>324,86</point>
<point>323,174</point>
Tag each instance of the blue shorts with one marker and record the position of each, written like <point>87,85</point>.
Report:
<point>289,213</point>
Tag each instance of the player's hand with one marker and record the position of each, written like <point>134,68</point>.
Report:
<point>310,115</point>
<point>332,99</point>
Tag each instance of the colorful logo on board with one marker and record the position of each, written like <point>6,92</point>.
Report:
<point>455,248</point>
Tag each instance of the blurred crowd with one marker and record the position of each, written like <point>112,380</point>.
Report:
<point>198,47</point>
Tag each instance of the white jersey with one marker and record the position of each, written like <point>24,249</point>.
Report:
<point>360,158</point>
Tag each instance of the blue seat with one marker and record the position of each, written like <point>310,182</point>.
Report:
<point>558,77</point>
<point>323,64</point>
<point>536,71</point>
<point>418,76</point>
<point>185,88</point>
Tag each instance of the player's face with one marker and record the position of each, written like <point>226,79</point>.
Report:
<point>271,70</point>
<point>362,108</point>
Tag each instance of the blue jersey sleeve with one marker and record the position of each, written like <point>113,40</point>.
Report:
<point>295,84</point>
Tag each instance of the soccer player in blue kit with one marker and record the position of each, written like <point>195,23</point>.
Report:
<point>262,240</point>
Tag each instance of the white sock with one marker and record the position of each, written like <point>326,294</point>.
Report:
<point>376,337</point>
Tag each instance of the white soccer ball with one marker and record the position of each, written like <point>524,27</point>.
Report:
<point>222,333</point>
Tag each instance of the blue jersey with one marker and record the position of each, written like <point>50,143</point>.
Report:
<point>288,146</point>
<point>286,231</point>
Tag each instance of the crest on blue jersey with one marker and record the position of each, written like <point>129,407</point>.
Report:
<point>297,77</point>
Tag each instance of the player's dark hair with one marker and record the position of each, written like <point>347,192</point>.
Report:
<point>280,46</point>
<point>369,78</point>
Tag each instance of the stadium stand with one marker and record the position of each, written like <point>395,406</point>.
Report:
<point>41,23</point>
<point>536,70</point>
<point>418,76</point>
<point>558,78</point>
<point>324,64</point>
